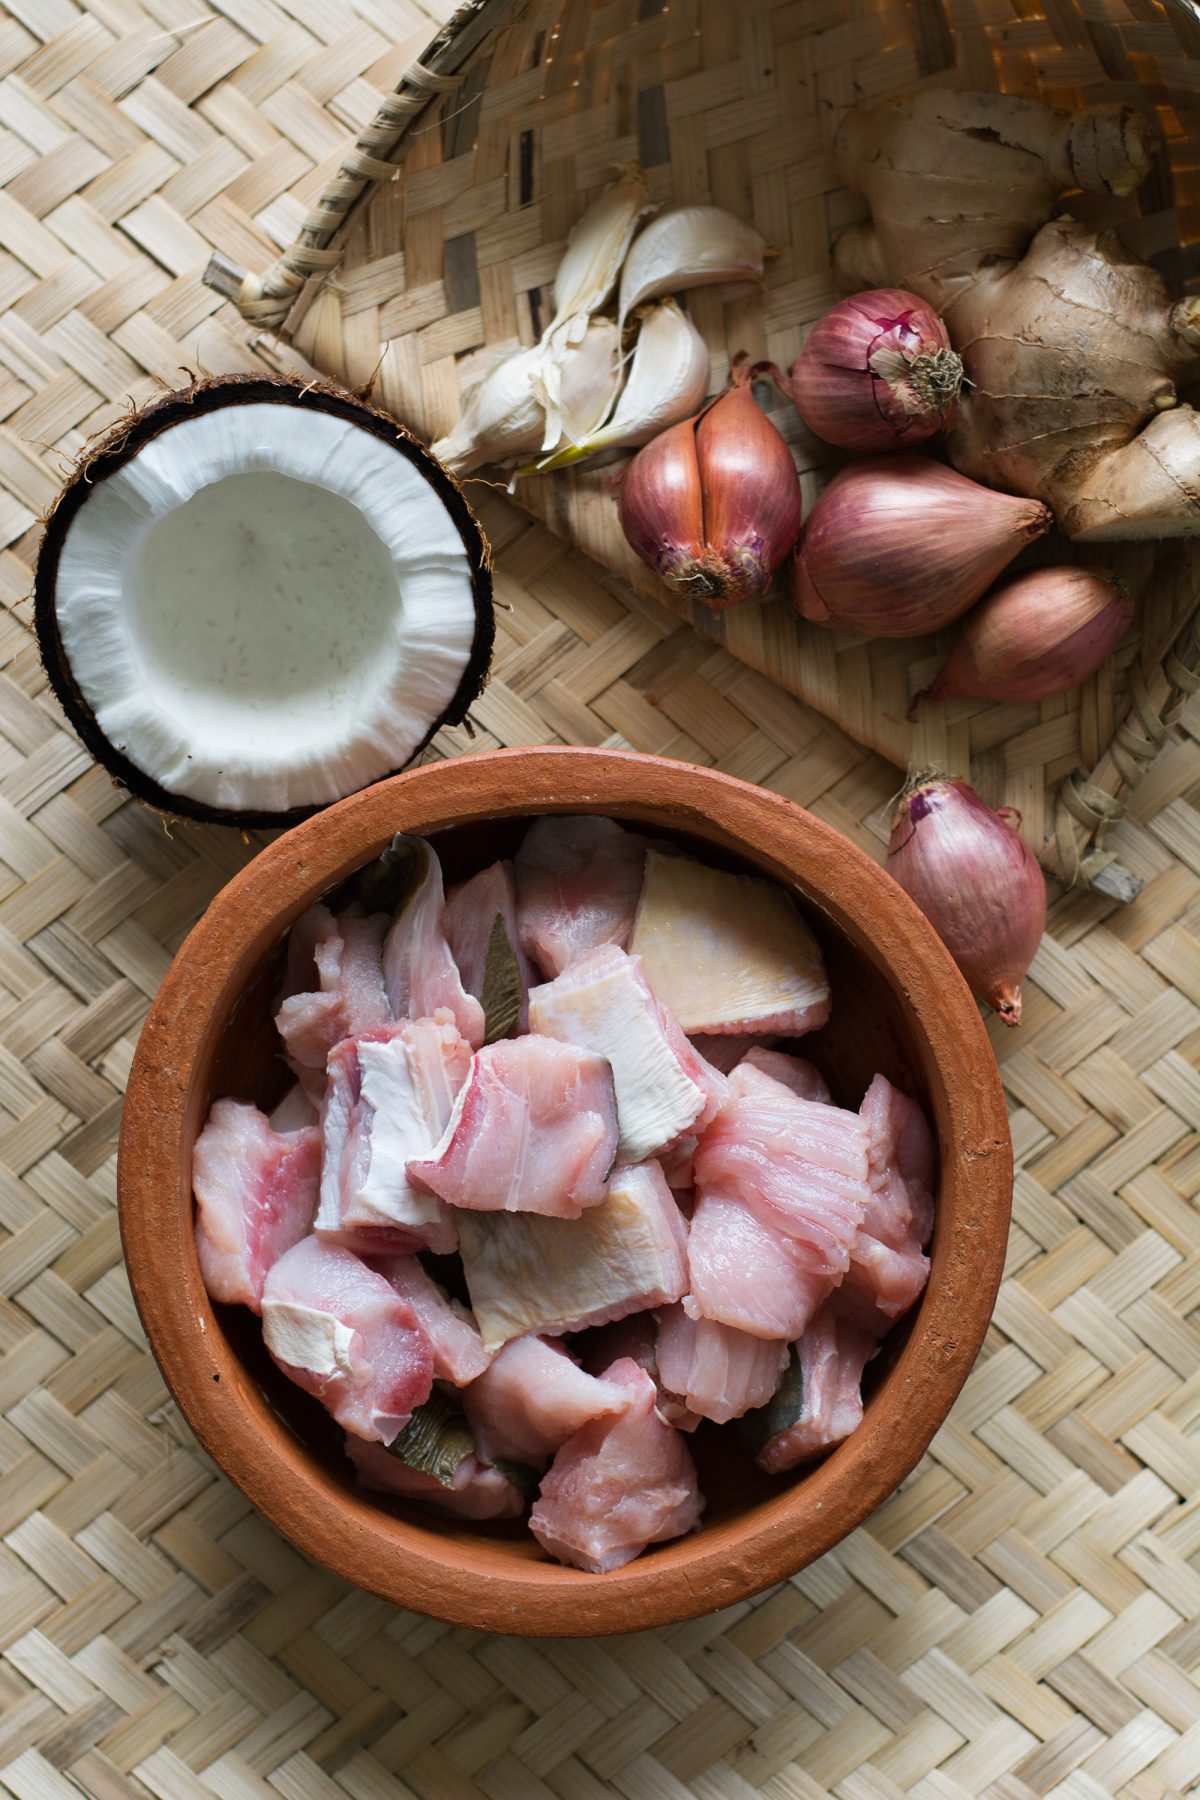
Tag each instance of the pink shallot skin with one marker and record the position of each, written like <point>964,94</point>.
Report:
<point>977,882</point>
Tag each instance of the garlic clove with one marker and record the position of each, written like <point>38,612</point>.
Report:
<point>595,251</point>
<point>668,379</point>
<point>501,415</point>
<point>578,385</point>
<point>690,246</point>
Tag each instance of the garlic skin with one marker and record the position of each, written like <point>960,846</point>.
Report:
<point>977,882</point>
<point>595,251</point>
<point>577,386</point>
<point>667,382</point>
<point>899,545</point>
<point>690,246</point>
<point>501,415</point>
<point>1035,637</point>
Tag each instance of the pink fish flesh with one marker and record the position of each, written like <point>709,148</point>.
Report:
<point>530,1274</point>
<point>637,1339</point>
<point>820,1402</point>
<point>341,956</point>
<point>578,881</point>
<point>803,1078</point>
<point>665,1090</point>
<point>390,1095</point>
<point>746,1273</point>
<point>458,1352</point>
<point>476,1492</point>
<point>480,921</point>
<point>532,1399</point>
<point>798,1165</point>
<point>343,1334</point>
<point>716,1370</point>
<point>420,975</point>
<point>621,1483</point>
<point>533,1130</point>
<point>256,1193</point>
<point>888,1267</point>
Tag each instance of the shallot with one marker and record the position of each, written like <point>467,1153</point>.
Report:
<point>877,373</point>
<point>977,882</point>
<point>900,545</point>
<point>713,505</point>
<point>1035,637</point>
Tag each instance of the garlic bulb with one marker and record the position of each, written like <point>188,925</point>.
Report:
<point>691,246</point>
<point>668,380</point>
<point>595,251</point>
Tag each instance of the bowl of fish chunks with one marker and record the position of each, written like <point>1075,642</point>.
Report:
<point>564,1189</point>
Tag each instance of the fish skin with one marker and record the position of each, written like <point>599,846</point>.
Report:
<point>534,1129</point>
<point>618,1485</point>
<point>532,1398</point>
<point>256,1195</point>
<point>477,1491</point>
<point>388,1365</point>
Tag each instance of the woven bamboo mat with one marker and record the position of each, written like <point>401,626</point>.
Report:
<point>1021,1620</point>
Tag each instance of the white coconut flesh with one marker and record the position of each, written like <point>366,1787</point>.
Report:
<point>265,607</point>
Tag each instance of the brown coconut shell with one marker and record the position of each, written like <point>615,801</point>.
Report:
<point>121,444</point>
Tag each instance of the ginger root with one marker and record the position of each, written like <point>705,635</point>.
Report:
<point>1070,344</point>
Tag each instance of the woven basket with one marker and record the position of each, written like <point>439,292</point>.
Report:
<point>441,229</point>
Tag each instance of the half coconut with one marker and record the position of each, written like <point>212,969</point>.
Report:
<point>257,597</point>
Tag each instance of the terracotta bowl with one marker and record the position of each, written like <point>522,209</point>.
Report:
<point>899,1005</point>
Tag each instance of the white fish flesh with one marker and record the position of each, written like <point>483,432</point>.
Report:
<point>420,975</point>
<point>476,1490</point>
<point>747,1274</point>
<point>343,1334</point>
<point>480,922</point>
<point>256,1193</point>
<point>727,953</point>
<point>294,1111</point>
<point>803,1078</point>
<point>389,1098</point>
<point>664,1088</point>
<point>800,1166</point>
<point>532,1399</point>
<point>578,881</point>
<point>716,1370</point>
<point>341,957</point>
<point>458,1352</point>
<point>621,1483</point>
<point>531,1274</point>
<point>888,1266</point>
<point>534,1129</point>
<point>819,1401</point>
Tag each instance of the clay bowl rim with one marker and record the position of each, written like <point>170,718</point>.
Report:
<point>477,1582</point>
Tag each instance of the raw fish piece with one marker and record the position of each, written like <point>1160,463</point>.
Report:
<point>531,1274</point>
<point>342,1333</point>
<point>800,1166</point>
<point>724,1052</point>
<point>746,1273</point>
<point>664,1088</point>
<point>458,1352</point>
<point>819,1401</point>
<point>727,953</point>
<point>619,1484</point>
<point>342,956</point>
<point>679,1165</point>
<point>578,881</point>
<point>636,1338</point>
<point>390,1095</point>
<point>888,1267</point>
<point>476,1491</point>
<point>480,922</point>
<point>533,1130</point>
<point>716,1370</point>
<point>420,975</point>
<point>294,1112</point>
<point>532,1399</point>
<point>803,1078</point>
<point>256,1193</point>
